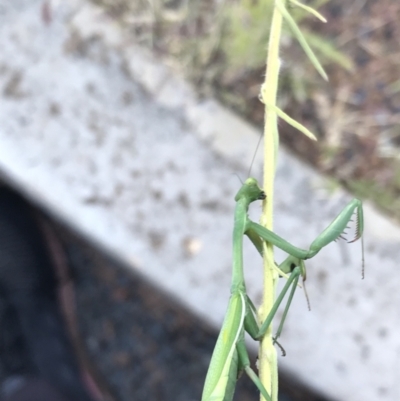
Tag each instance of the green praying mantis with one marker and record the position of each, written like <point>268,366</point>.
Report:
<point>230,356</point>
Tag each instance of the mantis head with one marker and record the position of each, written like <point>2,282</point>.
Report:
<point>250,191</point>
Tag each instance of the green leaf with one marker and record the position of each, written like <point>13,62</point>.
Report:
<point>299,36</point>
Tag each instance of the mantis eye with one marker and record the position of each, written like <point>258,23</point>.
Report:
<point>262,195</point>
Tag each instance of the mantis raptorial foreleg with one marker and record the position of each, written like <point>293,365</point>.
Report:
<point>230,355</point>
<point>294,263</point>
<point>330,234</point>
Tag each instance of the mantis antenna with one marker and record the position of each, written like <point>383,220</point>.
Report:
<point>237,175</point>
<point>254,155</point>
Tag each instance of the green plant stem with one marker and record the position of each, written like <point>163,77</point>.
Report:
<point>267,355</point>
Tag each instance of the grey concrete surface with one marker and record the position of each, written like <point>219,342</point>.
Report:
<point>118,145</point>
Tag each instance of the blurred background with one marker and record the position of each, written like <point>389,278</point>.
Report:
<point>126,122</point>
<point>220,45</point>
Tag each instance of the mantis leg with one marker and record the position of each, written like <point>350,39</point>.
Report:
<point>292,281</point>
<point>330,234</point>
<point>250,323</point>
<point>284,268</point>
<point>244,364</point>
<point>256,240</point>
<point>285,312</point>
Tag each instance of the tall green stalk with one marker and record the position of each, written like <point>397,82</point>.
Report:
<point>267,353</point>
<point>268,369</point>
